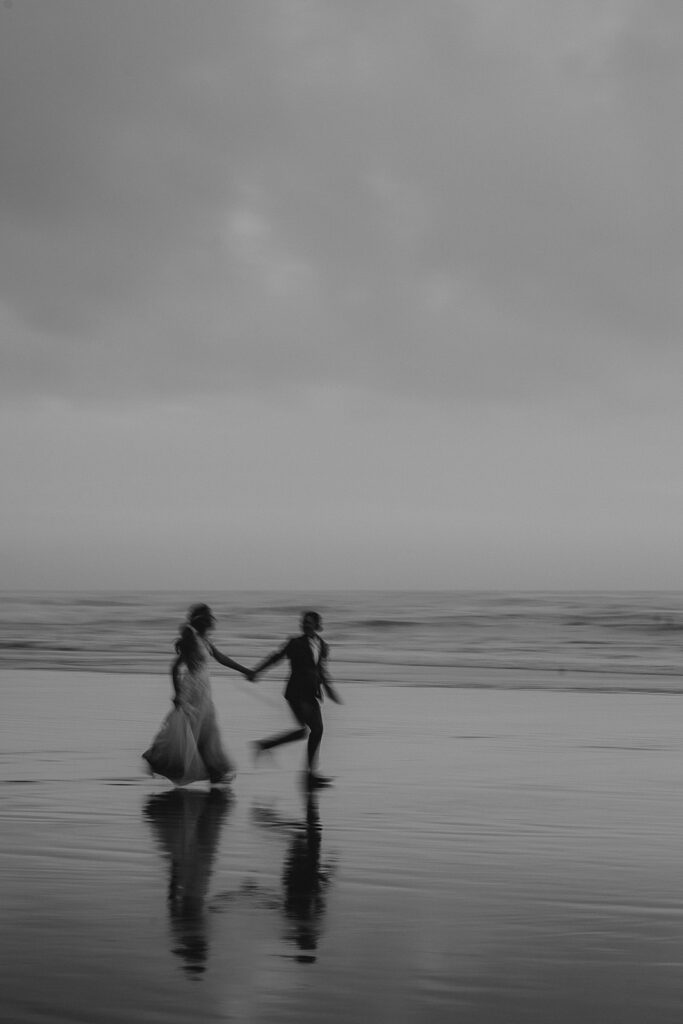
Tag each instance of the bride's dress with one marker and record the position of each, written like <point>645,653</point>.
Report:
<point>188,746</point>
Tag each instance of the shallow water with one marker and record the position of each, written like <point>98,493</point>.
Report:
<point>483,856</point>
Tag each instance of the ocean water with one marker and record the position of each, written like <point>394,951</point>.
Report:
<point>571,640</point>
<point>502,847</point>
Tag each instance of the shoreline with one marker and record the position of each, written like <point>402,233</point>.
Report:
<point>575,680</point>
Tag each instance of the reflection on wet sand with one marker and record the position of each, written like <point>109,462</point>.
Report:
<point>305,879</point>
<point>187,825</point>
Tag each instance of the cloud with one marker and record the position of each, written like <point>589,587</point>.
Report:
<point>478,200</point>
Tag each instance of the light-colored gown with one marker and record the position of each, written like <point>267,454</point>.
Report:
<point>188,747</point>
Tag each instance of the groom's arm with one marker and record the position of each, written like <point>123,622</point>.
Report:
<point>272,659</point>
<point>325,680</point>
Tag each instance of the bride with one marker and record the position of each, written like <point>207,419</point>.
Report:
<point>188,747</point>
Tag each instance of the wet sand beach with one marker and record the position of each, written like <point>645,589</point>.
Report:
<point>485,855</point>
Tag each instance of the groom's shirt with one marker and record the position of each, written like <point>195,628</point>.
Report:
<point>314,643</point>
<point>307,667</point>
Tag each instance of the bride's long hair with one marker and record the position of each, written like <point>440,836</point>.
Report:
<point>199,618</point>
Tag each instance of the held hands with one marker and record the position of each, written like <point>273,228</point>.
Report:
<point>250,675</point>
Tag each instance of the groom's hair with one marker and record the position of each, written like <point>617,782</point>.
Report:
<point>314,616</point>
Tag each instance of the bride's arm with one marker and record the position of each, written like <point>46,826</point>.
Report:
<point>175,679</point>
<point>223,659</point>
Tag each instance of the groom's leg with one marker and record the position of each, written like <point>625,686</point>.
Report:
<point>314,721</point>
<point>283,737</point>
<point>292,735</point>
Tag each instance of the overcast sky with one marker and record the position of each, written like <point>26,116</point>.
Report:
<point>364,293</point>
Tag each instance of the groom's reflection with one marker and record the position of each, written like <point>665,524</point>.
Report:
<point>305,878</point>
<point>187,825</point>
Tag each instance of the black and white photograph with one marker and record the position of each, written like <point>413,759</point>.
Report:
<point>341,518</point>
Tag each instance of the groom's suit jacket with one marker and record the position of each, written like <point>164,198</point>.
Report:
<point>305,676</point>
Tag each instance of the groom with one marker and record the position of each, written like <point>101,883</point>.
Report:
<point>307,655</point>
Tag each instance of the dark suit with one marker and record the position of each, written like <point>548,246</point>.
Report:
<point>303,692</point>
<point>306,676</point>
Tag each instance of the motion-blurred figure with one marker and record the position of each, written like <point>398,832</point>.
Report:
<point>308,679</point>
<point>188,747</point>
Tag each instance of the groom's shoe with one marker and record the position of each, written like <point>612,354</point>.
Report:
<point>316,781</point>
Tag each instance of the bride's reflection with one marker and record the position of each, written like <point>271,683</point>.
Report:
<point>305,879</point>
<point>187,825</point>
